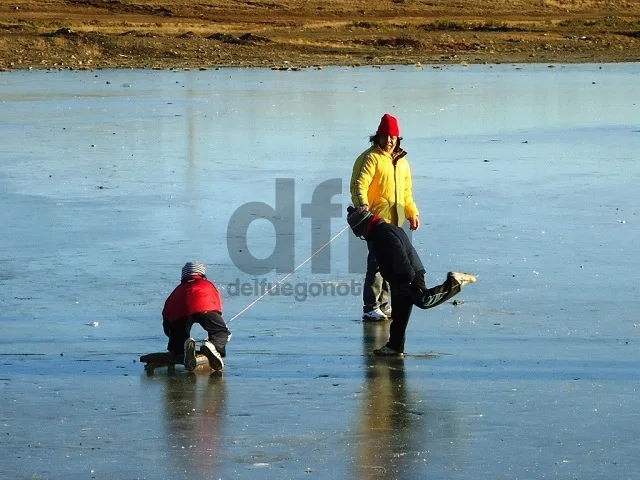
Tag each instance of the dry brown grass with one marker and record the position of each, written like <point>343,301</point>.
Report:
<point>182,33</point>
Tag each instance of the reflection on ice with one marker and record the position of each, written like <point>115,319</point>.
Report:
<point>398,427</point>
<point>195,410</point>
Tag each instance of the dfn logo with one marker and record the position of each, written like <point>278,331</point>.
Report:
<point>320,210</point>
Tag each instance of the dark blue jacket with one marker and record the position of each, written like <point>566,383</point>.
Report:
<point>397,259</point>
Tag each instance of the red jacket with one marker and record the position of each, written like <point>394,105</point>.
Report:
<point>194,295</point>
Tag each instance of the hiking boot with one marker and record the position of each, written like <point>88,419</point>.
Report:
<point>374,315</point>
<point>209,350</point>
<point>189,361</point>
<point>387,352</point>
<point>462,278</point>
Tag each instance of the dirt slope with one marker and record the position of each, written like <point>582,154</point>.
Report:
<point>297,33</point>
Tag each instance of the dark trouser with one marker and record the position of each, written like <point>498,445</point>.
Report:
<point>375,292</point>
<point>180,330</point>
<point>422,298</point>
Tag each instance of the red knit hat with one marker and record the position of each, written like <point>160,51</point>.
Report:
<point>388,126</point>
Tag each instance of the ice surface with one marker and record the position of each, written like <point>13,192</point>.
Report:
<point>524,175</point>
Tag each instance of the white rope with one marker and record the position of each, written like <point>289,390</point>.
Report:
<point>286,276</point>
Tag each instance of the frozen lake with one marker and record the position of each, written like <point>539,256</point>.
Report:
<point>525,175</point>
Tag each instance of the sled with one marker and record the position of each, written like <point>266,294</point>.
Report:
<point>166,359</point>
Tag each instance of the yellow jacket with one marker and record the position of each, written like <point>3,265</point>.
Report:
<point>384,184</point>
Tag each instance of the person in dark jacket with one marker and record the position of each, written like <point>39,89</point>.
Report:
<point>195,300</point>
<point>400,265</point>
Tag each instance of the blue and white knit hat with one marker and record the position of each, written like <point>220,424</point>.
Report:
<point>192,268</point>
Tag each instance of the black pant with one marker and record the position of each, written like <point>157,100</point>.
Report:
<point>180,330</point>
<point>423,298</point>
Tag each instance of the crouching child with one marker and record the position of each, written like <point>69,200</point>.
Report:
<point>195,300</point>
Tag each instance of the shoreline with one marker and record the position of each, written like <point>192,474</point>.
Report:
<point>300,68</point>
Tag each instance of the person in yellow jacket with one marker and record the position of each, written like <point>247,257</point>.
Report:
<point>381,182</point>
